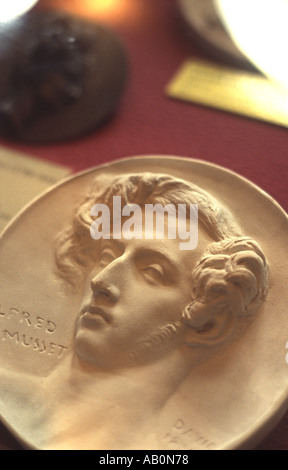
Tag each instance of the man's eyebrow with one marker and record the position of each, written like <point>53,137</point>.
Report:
<point>153,254</point>
<point>145,254</point>
<point>112,243</point>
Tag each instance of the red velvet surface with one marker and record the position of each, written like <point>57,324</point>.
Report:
<point>147,122</point>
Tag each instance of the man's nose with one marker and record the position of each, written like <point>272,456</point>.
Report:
<point>105,290</point>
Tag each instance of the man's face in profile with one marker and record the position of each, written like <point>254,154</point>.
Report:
<point>133,301</point>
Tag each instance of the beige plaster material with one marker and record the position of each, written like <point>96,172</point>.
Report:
<point>134,343</point>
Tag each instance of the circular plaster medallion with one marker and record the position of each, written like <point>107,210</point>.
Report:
<point>228,398</point>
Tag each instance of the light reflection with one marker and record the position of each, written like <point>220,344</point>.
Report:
<point>103,6</point>
<point>11,9</point>
<point>111,11</point>
<point>259,28</point>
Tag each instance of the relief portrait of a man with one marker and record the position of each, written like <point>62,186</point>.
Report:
<point>167,293</point>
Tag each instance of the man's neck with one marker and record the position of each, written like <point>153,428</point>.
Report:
<point>146,386</point>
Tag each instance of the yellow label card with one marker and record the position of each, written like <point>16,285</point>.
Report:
<point>22,178</point>
<point>228,89</point>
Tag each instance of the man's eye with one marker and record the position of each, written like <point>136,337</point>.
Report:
<point>106,258</point>
<point>154,274</point>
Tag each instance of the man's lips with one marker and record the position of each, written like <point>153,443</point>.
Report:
<point>93,312</point>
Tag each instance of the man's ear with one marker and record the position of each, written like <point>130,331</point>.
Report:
<point>216,331</point>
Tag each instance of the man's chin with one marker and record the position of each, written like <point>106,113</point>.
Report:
<point>92,353</point>
<point>83,348</point>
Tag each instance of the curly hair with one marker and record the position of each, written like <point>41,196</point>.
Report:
<point>231,281</point>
